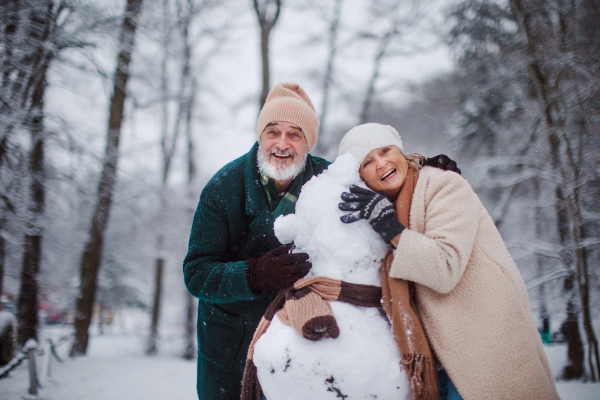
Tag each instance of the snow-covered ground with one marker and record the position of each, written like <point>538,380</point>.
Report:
<point>116,369</point>
<point>557,357</point>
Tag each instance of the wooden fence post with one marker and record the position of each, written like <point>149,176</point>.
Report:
<point>30,347</point>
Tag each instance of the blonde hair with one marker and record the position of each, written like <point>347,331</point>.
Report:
<point>415,160</point>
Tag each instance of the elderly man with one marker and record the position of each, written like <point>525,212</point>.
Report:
<point>235,265</point>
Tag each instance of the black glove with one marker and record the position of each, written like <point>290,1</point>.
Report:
<point>278,269</point>
<point>442,161</point>
<point>375,208</point>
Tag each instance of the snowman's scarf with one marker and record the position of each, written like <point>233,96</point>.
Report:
<point>305,307</point>
<point>399,304</point>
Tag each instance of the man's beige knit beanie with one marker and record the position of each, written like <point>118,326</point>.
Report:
<point>362,139</point>
<point>288,102</point>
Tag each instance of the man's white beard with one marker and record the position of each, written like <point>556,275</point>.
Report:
<point>278,171</point>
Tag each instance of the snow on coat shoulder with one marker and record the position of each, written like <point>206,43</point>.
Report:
<point>363,362</point>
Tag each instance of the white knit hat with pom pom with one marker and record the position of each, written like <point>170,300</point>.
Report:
<point>362,139</point>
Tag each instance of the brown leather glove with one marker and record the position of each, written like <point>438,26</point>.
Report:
<point>442,161</point>
<point>278,269</point>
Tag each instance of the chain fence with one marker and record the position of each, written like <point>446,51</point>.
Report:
<point>23,355</point>
<point>14,363</point>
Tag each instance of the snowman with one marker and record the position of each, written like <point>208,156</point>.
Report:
<point>362,361</point>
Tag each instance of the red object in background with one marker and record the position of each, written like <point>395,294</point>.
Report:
<point>44,305</point>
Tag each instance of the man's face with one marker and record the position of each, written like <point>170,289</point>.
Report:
<point>282,151</point>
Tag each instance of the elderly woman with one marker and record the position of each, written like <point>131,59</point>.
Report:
<point>469,294</point>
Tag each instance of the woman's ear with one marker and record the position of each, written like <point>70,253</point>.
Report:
<point>360,172</point>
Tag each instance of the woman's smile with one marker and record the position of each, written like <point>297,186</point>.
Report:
<point>389,175</point>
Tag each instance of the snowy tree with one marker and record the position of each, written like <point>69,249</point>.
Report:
<point>333,47</point>
<point>92,254</point>
<point>390,21</point>
<point>563,49</point>
<point>529,103</point>
<point>364,44</point>
<point>188,38</point>
<point>34,33</point>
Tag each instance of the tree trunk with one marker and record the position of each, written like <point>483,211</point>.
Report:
<point>266,25</point>
<point>327,80</point>
<point>540,264</point>
<point>158,278</point>
<point>190,329</point>
<point>92,255</point>
<point>167,152</point>
<point>379,56</point>
<point>189,351</point>
<point>191,160</point>
<point>579,235</point>
<point>264,52</point>
<point>2,260</point>
<point>10,9</point>
<point>169,142</point>
<point>190,326</point>
<point>570,327</point>
<point>27,303</point>
<point>584,297</point>
<point>152,347</point>
<point>570,330</point>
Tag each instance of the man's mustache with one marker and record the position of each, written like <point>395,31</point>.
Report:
<point>279,152</point>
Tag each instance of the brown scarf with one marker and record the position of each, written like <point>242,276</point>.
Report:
<point>399,304</point>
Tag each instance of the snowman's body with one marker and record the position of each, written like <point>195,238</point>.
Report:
<point>363,362</point>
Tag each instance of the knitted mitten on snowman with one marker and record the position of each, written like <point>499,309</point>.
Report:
<point>309,314</point>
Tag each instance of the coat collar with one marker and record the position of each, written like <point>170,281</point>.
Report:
<point>256,200</point>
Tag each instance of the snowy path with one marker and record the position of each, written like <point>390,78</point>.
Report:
<point>95,378</point>
<point>115,369</point>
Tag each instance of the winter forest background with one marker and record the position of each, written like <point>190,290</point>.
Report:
<point>114,114</point>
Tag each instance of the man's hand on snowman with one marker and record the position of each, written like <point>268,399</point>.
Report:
<point>373,207</point>
<point>278,269</point>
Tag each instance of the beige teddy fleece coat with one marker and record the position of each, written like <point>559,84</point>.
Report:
<point>471,297</point>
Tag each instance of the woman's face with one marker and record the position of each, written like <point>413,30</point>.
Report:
<point>385,169</point>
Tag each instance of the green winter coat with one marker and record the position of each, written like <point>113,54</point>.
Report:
<point>232,223</point>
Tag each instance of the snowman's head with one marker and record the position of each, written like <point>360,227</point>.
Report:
<point>350,252</point>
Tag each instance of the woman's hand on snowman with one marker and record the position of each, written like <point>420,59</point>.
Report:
<point>373,207</point>
<point>278,269</point>
<point>442,161</point>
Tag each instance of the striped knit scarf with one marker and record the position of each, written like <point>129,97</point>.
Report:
<point>286,204</point>
<point>305,307</point>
